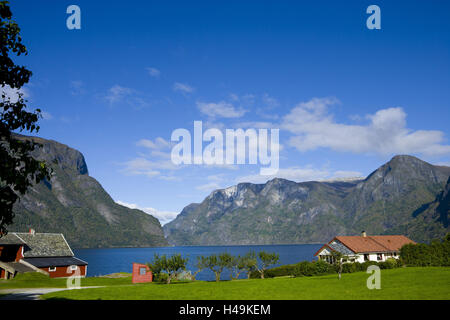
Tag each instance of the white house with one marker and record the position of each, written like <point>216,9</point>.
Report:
<point>363,248</point>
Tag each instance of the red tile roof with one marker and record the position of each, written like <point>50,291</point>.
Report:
<point>360,244</point>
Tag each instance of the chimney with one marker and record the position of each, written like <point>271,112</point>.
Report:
<point>363,234</point>
<point>32,232</point>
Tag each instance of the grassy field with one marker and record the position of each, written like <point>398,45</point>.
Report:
<point>403,283</point>
<point>37,280</point>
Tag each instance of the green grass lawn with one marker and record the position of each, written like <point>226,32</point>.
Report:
<point>402,283</point>
<point>37,280</point>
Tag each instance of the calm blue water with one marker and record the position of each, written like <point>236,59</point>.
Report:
<point>106,261</point>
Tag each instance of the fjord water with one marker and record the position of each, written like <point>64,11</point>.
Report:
<point>107,261</point>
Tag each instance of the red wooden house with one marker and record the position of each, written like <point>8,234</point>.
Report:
<point>47,253</point>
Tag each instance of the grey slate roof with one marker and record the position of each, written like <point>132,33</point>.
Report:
<point>16,267</point>
<point>9,239</point>
<point>55,262</point>
<point>339,247</point>
<point>45,245</point>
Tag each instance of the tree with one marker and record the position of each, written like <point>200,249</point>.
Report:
<point>171,266</point>
<point>267,259</point>
<point>201,264</point>
<point>175,264</point>
<point>216,263</point>
<point>237,266</point>
<point>250,263</point>
<point>157,265</point>
<point>18,170</point>
<point>339,259</point>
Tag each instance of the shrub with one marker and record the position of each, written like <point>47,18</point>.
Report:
<point>323,267</point>
<point>421,255</point>
<point>304,268</point>
<point>160,277</point>
<point>351,267</point>
<point>308,269</point>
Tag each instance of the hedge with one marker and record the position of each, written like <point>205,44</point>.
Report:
<point>422,255</point>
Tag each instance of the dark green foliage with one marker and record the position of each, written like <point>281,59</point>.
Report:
<point>435,254</point>
<point>314,268</point>
<point>18,170</point>
<point>305,268</point>
<point>317,268</point>
<point>249,263</point>
<point>170,266</point>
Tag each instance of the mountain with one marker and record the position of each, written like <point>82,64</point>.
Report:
<point>75,204</point>
<point>282,211</point>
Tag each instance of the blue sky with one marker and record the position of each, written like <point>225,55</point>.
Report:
<point>345,98</point>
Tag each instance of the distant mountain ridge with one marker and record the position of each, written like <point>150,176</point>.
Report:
<point>280,211</point>
<point>75,204</point>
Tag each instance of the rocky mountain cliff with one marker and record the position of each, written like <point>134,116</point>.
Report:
<point>388,201</point>
<point>75,204</point>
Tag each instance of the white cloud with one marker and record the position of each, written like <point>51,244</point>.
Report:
<point>341,174</point>
<point>126,95</point>
<point>13,94</point>
<point>117,93</point>
<point>256,125</point>
<point>152,163</point>
<point>386,133</point>
<point>296,174</point>
<point>445,164</point>
<point>208,187</point>
<point>46,115</point>
<point>157,144</point>
<point>163,216</point>
<point>183,87</point>
<point>153,72</point>
<point>302,174</point>
<point>215,182</point>
<point>149,168</point>
<point>220,109</point>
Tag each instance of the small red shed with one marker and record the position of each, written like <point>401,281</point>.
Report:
<point>141,273</point>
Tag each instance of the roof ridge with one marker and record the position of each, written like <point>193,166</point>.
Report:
<point>53,233</point>
<point>15,233</point>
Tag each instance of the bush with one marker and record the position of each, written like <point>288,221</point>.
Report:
<point>305,268</point>
<point>281,271</point>
<point>351,267</point>
<point>421,255</point>
<point>160,277</point>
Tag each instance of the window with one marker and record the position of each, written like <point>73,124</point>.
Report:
<point>142,271</point>
<point>379,256</point>
<point>73,268</point>
<point>51,269</point>
<point>366,257</point>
